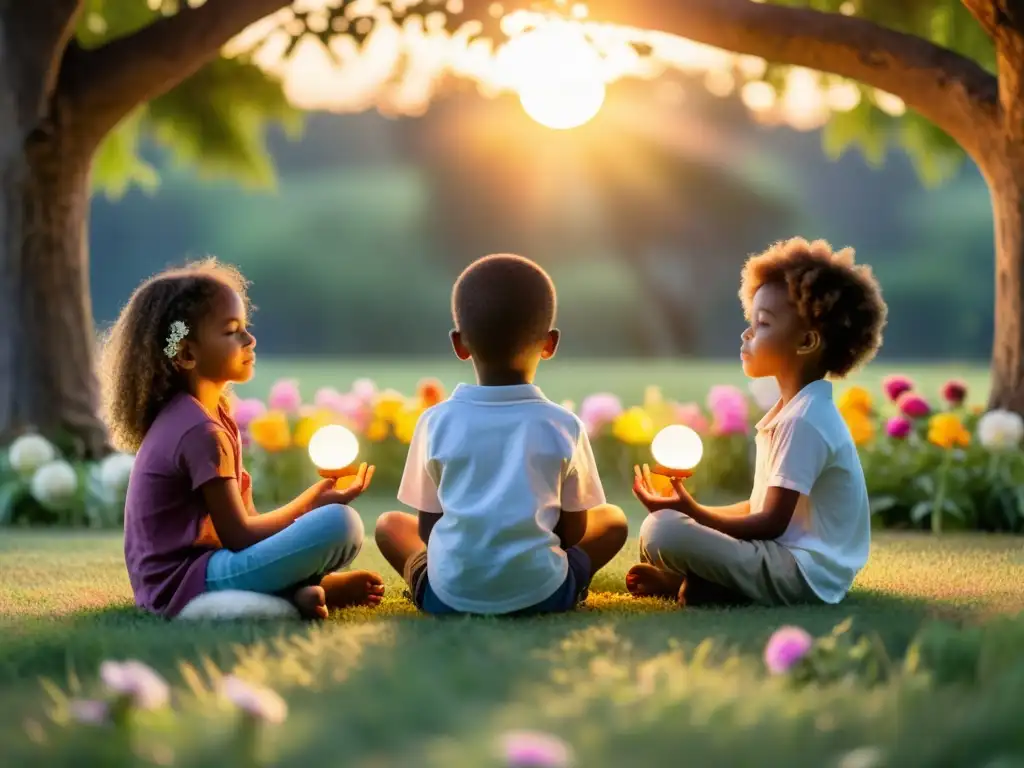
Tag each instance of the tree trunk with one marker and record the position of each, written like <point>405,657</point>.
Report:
<point>47,336</point>
<point>1006,184</point>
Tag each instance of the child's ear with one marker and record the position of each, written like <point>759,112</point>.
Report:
<point>551,345</point>
<point>811,343</point>
<point>461,351</point>
<point>185,359</point>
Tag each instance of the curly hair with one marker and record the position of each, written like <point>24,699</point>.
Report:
<point>840,300</point>
<point>137,377</point>
<point>502,303</point>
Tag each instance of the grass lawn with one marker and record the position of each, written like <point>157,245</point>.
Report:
<point>623,681</point>
<point>573,378</point>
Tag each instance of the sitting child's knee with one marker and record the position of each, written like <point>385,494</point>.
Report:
<point>658,527</point>
<point>341,524</point>
<point>614,519</point>
<point>387,524</point>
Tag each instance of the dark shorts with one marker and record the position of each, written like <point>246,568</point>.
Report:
<point>572,592</point>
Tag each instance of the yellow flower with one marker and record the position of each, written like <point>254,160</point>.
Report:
<point>855,399</point>
<point>271,431</point>
<point>405,423</point>
<point>387,404</point>
<point>377,431</point>
<point>861,426</point>
<point>946,431</point>
<point>662,412</point>
<point>634,427</point>
<point>308,425</point>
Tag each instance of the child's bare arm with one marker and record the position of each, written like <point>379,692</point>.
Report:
<point>768,523</point>
<point>571,527</point>
<point>427,521</point>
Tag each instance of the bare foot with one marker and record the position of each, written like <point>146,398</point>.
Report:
<point>311,602</point>
<point>644,580</point>
<point>353,588</point>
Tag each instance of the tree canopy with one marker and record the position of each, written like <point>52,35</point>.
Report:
<point>216,119</point>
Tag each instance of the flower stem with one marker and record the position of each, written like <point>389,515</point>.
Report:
<point>940,494</point>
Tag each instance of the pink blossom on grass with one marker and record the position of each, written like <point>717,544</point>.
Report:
<point>135,681</point>
<point>257,701</point>
<point>692,416</point>
<point>954,392</point>
<point>896,385</point>
<point>285,396</point>
<point>786,647</point>
<point>898,427</point>
<point>527,749</point>
<point>598,410</point>
<point>913,405</point>
<point>247,410</point>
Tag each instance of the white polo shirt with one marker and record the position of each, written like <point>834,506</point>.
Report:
<point>499,464</point>
<point>806,446</point>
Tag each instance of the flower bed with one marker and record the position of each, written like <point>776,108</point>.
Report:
<point>919,456</point>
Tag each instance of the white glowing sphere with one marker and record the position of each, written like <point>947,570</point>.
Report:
<point>677,447</point>
<point>333,447</point>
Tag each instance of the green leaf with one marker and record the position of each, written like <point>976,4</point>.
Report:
<point>117,164</point>
<point>883,503</point>
<point>920,511</point>
<point>11,493</point>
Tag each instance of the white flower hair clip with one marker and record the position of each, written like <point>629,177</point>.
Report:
<point>178,332</point>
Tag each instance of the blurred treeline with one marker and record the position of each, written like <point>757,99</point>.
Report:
<point>643,217</point>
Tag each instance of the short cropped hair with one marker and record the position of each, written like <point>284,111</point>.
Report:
<point>840,300</point>
<point>501,305</point>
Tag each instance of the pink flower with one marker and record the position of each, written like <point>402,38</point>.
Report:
<point>285,396</point>
<point>786,647</point>
<point>258,702</point>
<point>364,389</point>
<point>89,711</point>
<point>725,397</point>
<point>247,410</point>
<point>598,410</point>
<point>729,422</point>
<point>896,385</point>
<point>898,427</point>
<point>691,415</point>
<point>135,681</point>
<point>525,749</point>
<point>327,398</point>
<point>954,392</point>
<point>913,405</point>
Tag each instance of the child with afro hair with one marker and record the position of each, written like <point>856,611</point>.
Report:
<point>804,534</point>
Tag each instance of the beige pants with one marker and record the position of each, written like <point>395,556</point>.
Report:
<point>762,571</point>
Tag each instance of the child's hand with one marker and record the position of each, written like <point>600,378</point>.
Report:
<point>656,492</point>
<point>327,492</point>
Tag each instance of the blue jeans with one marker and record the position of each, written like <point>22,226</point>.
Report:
<point>320,542</point>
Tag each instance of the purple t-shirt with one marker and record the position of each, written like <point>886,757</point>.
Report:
<point>168,536</point>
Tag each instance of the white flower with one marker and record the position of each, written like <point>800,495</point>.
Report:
<point>255,700</point>
<point>54,484</point>
<point>178,333</point>
<point>862,757</point>
<point>766,392</point>
<point>1000,430</point>
<point>29,452</point>
<point>133,679</point>
<point>115,470</point>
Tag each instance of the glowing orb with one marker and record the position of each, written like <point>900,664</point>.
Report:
<point>677,447</point>
<point>557,74</point>
<point>333,447</point>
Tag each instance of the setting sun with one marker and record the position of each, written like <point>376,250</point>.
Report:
<point>558,75</point>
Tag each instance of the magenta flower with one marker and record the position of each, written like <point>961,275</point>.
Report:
<point>728,422</point>
<point>786,647</point>
<point>691,415</point>
<point>247,410</point>
<point>725,397</point>
<point>896,385</point>
<point>285,396</point>
<point>898,427</point>
<point>598,410</point>
<point>526,749</point>
<point>954,392</point>
<point>913,405</point>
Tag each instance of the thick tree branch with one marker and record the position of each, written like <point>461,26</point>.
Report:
<point>954,92</point>
<point>109,82</point>
<point>985,13</point>
<point>35,36</point>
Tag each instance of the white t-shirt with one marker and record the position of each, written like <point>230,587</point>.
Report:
<point>806,446</point>
<point>499,464</point>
